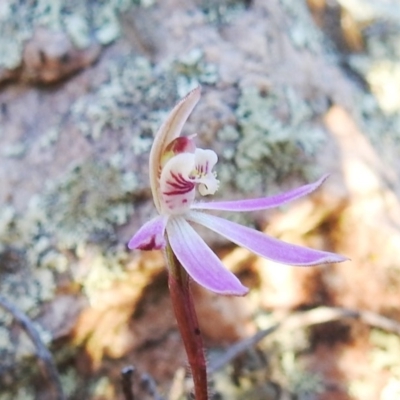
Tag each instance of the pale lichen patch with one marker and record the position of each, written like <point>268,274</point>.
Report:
<point>222,11</point>
<point>303,32</point>
<point>192,70</point>
<point>16,150</point>
<point>83,22</point>
<point>85,205</point>
<point>275,131</point>
<point>131,83</point>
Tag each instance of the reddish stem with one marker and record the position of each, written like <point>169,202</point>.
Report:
<point>186,317</point>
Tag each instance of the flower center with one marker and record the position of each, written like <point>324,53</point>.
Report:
<point>183,168</point>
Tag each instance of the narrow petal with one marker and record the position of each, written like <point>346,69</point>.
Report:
<point>151,235</point>
<point>169,130</point>
<point>200,262</point>
<point>261,203</point>
<point>263,245</point>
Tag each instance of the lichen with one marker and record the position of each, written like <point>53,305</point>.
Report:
<point>302,30</point>
<point>85,205</point>
<point>7,215</point>
<point>21,394</point>
<point>273,132</point>
<point>106,267</point>
<point>103,388</point>
<point>68,230</point>
<point>82,20</point>
<point>193,70</point>
<point>222,11</point>
<point>132,83</point>
<point>16,150</point>
<point>69,381</point>
<point>82,207</point>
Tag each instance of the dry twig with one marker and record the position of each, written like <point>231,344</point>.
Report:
<point>320,315</point>
<point>43,355</point>
<point>144,383</point>
<point>127,383</point>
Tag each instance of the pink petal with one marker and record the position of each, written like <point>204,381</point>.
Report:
<point>151,235</point>
<point>199,261</point>
<point>263,245</point>
<point>260,203</point>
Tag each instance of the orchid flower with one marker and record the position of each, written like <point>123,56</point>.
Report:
<point>178,170</point>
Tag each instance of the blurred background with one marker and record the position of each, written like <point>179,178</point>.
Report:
<point>292,89</point>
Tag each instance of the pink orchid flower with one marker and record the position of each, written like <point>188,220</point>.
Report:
<point>177,170</point>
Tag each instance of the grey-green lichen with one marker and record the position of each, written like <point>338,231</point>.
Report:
<point>83,207</point>
<point>83,21</point>
<point>16,150</point>
<point>303,32</point>
<point>133,83</point>
<point>85,204</point>
<point>22,284</point>
<point>222,11</point>
<point>69,228</point>
<point>106,267</point>
<point>192,70</point>
<point>274,131</point>
<point>69,381</point>
<point>22,393</point>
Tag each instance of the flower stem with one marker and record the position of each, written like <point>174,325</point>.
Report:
<point>185,314</point>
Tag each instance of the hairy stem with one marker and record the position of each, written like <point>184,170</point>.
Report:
<point>185,314</point>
